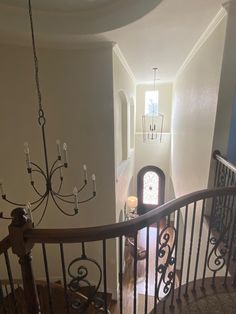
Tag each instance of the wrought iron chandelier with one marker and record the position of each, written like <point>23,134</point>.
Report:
<point>152,120</point>
<point>49,172</point>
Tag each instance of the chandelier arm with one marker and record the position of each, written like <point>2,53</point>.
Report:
<point>39,170</point>
<point>88,199</point>
<point>39,204</point>
<point>70,195</point>
<point>44,211</point>
<point>63,200</point>
<point>60,186</point>
<point>83,186</point>
<point>62,195</point>
<point>36,191</point>
<point>5,218</point>
<point>12,203</point>
<point>54,170</point>
<point>60,209</point>
<point>53,165</point>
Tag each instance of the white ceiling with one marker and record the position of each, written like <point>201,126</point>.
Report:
<point>159,33</point>
<point>164,37</point>
<point>61,5</point>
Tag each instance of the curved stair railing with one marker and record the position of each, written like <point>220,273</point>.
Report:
<point>225,176</point>
<point>187,254</point>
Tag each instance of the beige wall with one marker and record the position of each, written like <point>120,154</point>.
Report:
<point>124,91</point>
<point>156,153</point>
<point>79,111</point>
<point>195,97</point>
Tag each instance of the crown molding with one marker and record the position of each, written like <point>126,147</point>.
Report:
<point>201,41</point>
<point>125,64</point>
<point>228,5</point>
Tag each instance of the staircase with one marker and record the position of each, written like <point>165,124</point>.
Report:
<point>187,267</point>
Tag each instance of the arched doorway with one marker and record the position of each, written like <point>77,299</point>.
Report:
<point>150,188</point>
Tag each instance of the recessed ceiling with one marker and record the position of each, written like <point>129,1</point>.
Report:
<point>164,37</point>
<point>75,17</point>
<point>61,5</point>
<point>149,32</point>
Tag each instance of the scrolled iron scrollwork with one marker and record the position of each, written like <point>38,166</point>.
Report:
<point>222,176</point>
<point>166,262</point>
<point>216,258</point>
<point>78,273</point>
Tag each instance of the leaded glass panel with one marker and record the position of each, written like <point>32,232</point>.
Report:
<point>151,188</point>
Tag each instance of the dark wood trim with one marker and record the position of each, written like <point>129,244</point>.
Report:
<point>127,228</point>
<point>30,291</point>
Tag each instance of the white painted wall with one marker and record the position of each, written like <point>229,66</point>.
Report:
<point>195,97</point>
<point>156,154</point>
<point>79,110</point>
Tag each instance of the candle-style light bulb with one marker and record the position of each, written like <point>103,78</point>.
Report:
<point>94,183</point>
<point>65,154</point>
<point>85,173</point>
<point>58,149</point>
<point>27,155</point>
<point>2,189</point>
<point>75,193</point>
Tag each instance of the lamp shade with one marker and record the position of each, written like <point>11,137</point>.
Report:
<point>132,202</point>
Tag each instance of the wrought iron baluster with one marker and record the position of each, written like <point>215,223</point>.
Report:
<point>9,273</point>
<point>2,301</point>
<point>147,270</point>
<point>104,275</point>
<point>208,242</point>
<point>176,252</point>
<point>135,272</point>
<point>47,279</point>
<point>64,278</point>
<point>216,173</point>
<point>156,266</point>
<point>7,296</point>
<point>229,173</point>
<point>190,248</point>
<point>121,273</point>
<point>168,220</point>
<point>78,272</point>
<point>217,257</point>
<point>199,245</point>
<point>183,250</point>
<point>231,241</point>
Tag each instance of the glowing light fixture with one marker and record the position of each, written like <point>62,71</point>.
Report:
<point>152,120</point>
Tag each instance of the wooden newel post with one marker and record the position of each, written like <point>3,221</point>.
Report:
<point>20,247</point>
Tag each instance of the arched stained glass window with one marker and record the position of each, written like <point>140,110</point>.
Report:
<point>151,187</point>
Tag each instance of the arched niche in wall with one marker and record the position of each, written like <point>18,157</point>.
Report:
<point>131,124</point>
<point>124,124</point>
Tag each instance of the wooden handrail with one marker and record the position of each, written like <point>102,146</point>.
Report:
<point>5,244</point>
<point>77,235</point>
<point>217,156</point>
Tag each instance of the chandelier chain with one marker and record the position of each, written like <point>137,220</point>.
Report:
<point>48,173</point>
<point>41,118</point>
